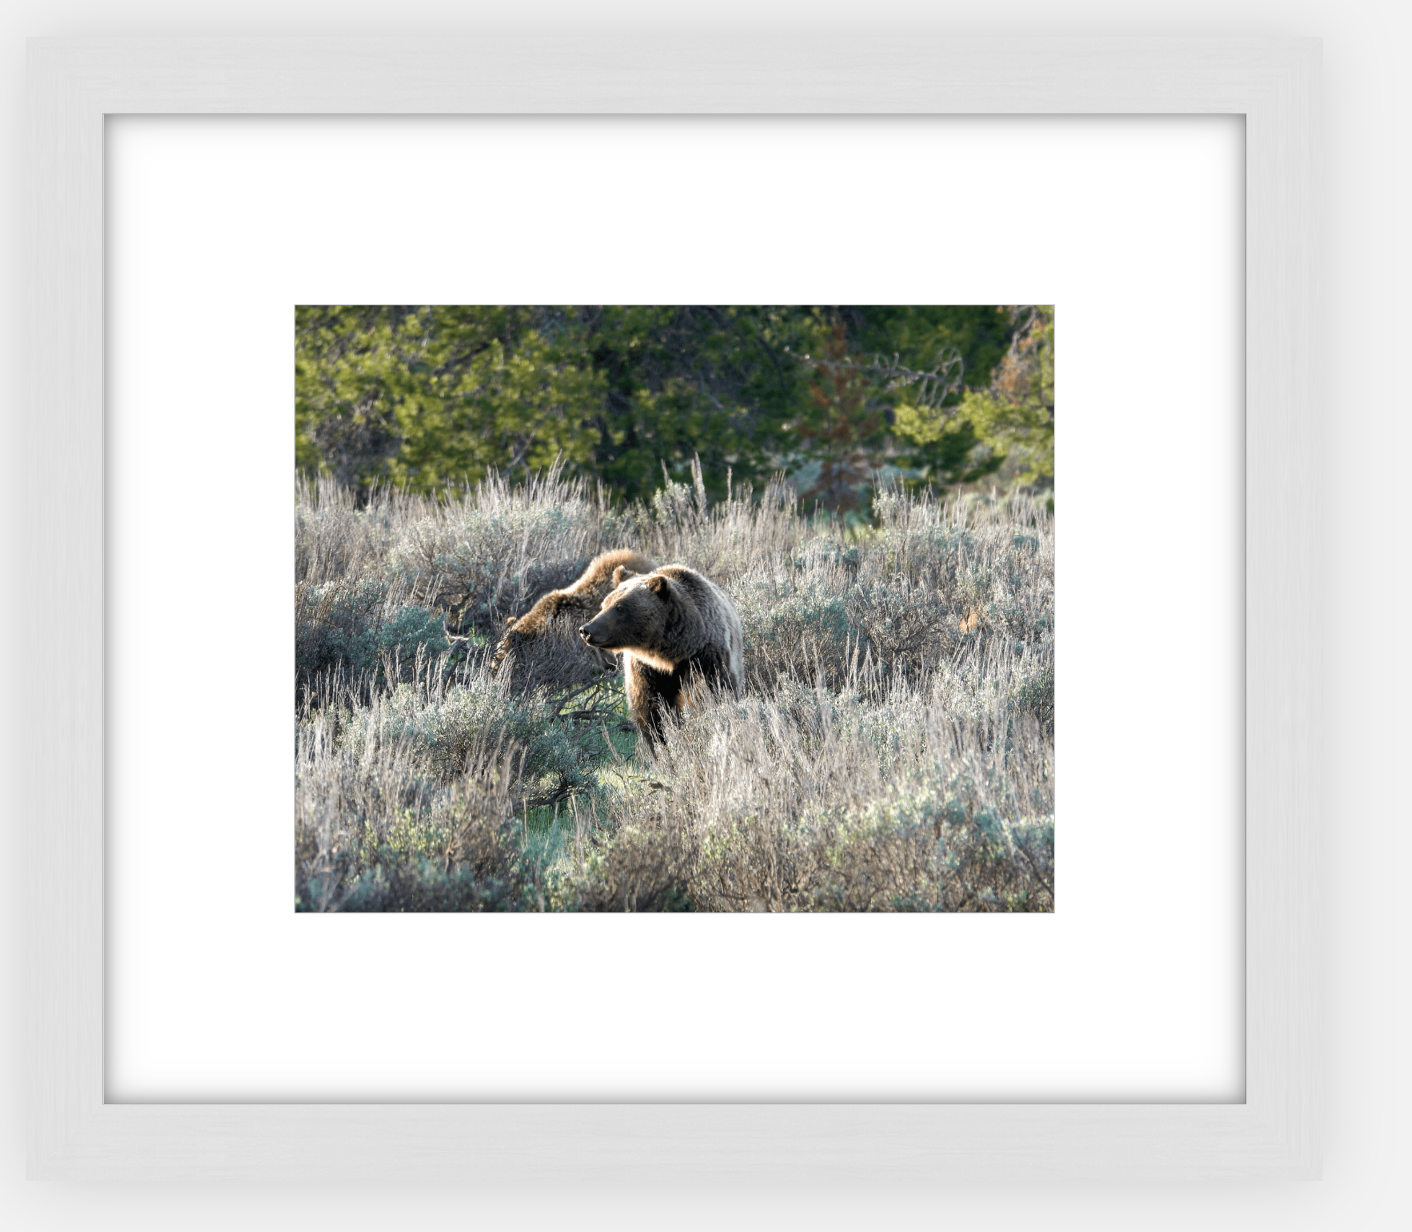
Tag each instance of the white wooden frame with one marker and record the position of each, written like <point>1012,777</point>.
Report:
<point>75,84</point>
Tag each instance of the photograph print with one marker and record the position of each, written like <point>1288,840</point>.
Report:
<point>664,608</point>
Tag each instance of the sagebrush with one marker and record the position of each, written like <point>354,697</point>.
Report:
<point>894,749</point>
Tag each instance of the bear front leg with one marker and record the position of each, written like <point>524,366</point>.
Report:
<point>652,697</point>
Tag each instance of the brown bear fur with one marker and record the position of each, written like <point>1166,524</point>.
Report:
<point>677,632</point>
<point>575,603</point>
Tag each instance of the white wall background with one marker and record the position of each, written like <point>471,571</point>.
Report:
<point>1366,597</point>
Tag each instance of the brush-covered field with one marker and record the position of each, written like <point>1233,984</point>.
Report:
<point>894,750</point>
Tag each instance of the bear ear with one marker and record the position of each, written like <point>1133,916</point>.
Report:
<point>621,575</point>
<point>509,620</point>
<point>657,584</point>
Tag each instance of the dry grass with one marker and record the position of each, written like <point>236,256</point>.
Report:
<point>894,750</point>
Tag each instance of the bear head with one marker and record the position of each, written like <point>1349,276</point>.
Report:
<point>634,614</point>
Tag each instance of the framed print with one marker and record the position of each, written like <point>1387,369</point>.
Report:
<point>1170,1029</point>
<point>649,1048</point>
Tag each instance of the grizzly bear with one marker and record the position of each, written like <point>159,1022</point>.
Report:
<point>678,633</point>
<point>575,603</point>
